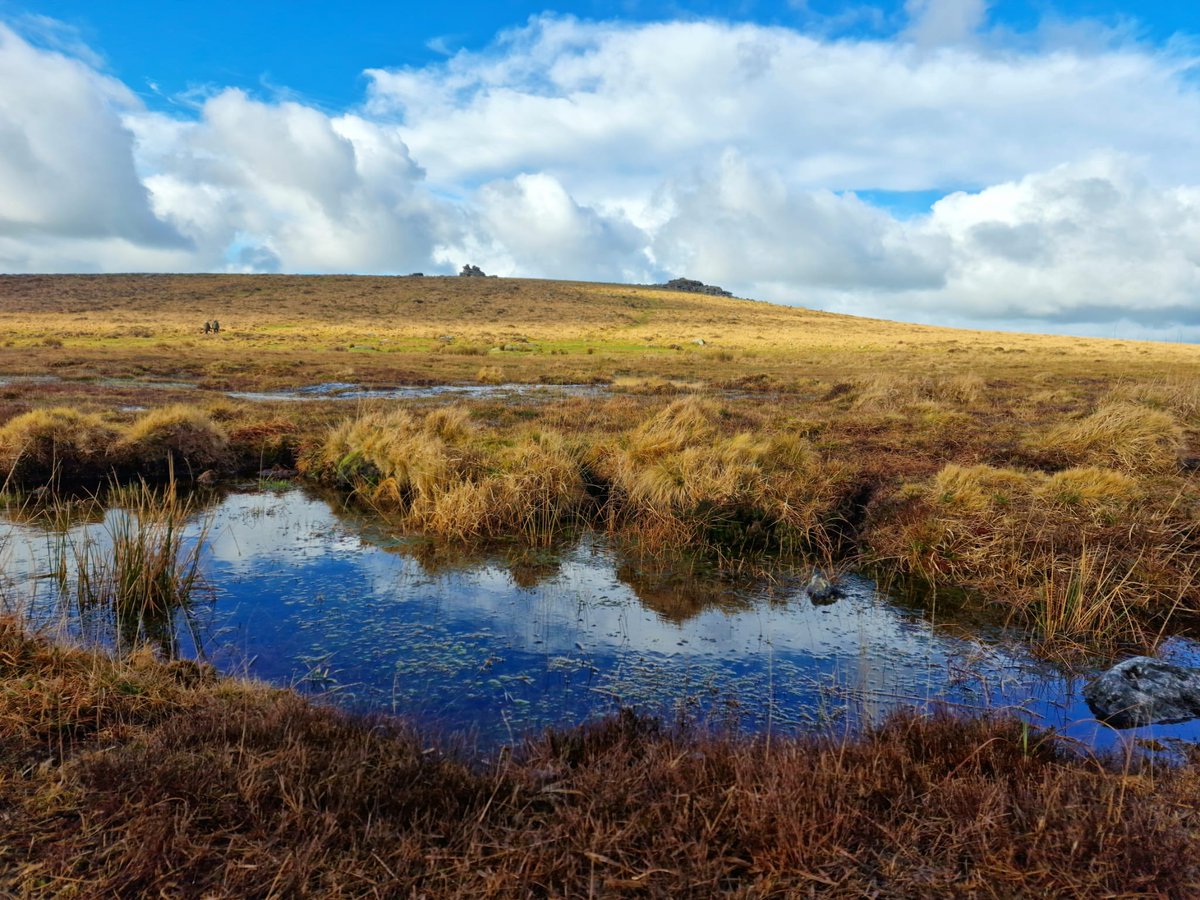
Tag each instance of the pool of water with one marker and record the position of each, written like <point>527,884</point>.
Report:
<point>304,593</point>
<point>347,391</point>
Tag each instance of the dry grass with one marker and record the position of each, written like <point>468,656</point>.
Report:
<point>174,434</point>
<point>803,419</point>
<point>1122,435</point>
<point>1082,554</point>
<point>137,570</point>
<point>56,443</point>
<point>684,477</point>
<point>444,476</point>
<point>138,778</point>
<point>59,445</point>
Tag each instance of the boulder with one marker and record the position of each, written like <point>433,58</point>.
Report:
<point>1144,691</point>
<point>470,271</point>
<point>821,591</point>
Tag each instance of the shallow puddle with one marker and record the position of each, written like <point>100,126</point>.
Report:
<point>305,594</point>
<point>343,391</point>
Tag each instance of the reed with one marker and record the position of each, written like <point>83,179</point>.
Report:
<point>138,568</point>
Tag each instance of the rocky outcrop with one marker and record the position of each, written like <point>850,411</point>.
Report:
<point>691,286</point>
<point>470,271</point>
<point>1144,691</point>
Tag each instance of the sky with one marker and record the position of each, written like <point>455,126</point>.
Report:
<point>1016,164</point>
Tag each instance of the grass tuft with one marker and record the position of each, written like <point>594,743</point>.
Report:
<point>54,444</point>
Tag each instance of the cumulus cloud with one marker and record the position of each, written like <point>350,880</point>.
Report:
<point>289,187</point>
<point>66,162</point>
<point>745,155</point>
<point>614,106</point>
<point>530,225</point>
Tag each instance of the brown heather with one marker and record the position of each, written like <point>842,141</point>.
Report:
<point>141,778</point>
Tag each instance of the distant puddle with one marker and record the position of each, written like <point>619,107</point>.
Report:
<point>341,391</point>
<point>309,597</point>
<point>335,390</point>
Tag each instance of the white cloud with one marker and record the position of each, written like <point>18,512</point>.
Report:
<point>938,22</point>
<point>66,164</point>
<point>305,190</point>
<point>638,101</point>
<point>529,225</point>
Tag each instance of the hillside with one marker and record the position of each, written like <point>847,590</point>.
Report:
<point>285,330</point>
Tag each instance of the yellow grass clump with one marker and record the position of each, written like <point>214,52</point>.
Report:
<point>1084,553</point>
<point>178,433</point>
<point>679,477</point>
<point>445,478</point>
<point>1122,435</point>
<point>59,442</point>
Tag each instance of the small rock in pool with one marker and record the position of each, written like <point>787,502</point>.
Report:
<point>1144,691</point>
<point>207,478</point>
<point>277,473</point>
<point>821,590</point>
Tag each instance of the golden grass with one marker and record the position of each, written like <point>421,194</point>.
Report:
<point>684,477</point>
<point>1083,554</point>
<point>803,422</point>
<point>59,442</point>
<point>447,478</point>
<point>174,433</point>
<point>1127,436</point>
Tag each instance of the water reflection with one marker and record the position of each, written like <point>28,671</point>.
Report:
<point>320,596</point>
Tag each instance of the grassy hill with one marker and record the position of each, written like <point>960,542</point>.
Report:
<point>295,329</point>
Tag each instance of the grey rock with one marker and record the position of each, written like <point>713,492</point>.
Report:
<point>699,342</point>
<point>470,271</point>
<point>822,591</point>
<point>1144,691</point>
<point>691,286</point>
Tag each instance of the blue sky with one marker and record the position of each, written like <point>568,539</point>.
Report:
<point>1001,164</point>
<point>320,50</point>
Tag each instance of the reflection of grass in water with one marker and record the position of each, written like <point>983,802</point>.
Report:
<point>137,567</point>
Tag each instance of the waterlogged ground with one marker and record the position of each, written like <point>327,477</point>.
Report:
<point>305,594</point>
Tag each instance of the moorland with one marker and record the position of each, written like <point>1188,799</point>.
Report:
<point>1047,482</point>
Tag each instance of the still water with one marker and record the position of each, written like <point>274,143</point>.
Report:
<point>304,593</point>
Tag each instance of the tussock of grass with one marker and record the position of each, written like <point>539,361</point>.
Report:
<point>680,478</point>
<point>445,477</point>
<point>1120,435</point>
<point>161,780</point>
<point>54,443</point>
<point>893,392</point>
<point>1086,553</point>
<point>179,433</point>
